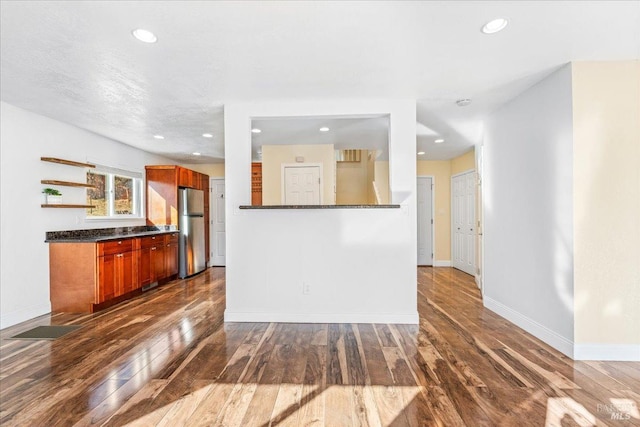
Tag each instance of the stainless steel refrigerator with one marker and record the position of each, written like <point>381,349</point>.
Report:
<point>191,224</point>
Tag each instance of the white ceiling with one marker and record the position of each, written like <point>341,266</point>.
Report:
<point>76,61</point>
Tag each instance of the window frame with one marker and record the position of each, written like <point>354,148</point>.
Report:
<point>137,197</point>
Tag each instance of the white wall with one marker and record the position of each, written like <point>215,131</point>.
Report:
<point>360,264</point>
<point>24,257</point>
<point>528,212</point>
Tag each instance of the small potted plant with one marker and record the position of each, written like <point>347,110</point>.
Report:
<point>54,197</point>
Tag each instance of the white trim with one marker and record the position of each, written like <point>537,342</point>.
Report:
<point>433,216</point>
<point>396,318</point>
<point>18,316</point>
<point>211,221</point>
<point>539,331</point>
<point>283,166</point>
<point>463,173</point>
<point>609,352</point>
<point>442,263</point>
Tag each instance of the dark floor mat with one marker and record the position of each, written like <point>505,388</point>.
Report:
<point>45,332</point>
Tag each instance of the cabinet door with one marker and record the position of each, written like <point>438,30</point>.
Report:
<point>171,258</point>
<point>108,277</point>
<point>144,267</point>
<point>185,178</point>
<point>127,271</point>
<point>157,262</point>
<point>162,195</point>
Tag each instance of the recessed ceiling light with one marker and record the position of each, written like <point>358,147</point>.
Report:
<point>495,25</point>
<point>463,102</point>
<point>324,129</point>
<point>207,135</point>
<point>439,141</point>
<point>420,153</point>
<point>158,136</point>
<point>144,35</point>
<point>196,154</point>
<point>256,130</point>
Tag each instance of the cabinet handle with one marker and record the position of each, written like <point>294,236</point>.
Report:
<point>153,238</point>
<point>120,242</point>
<point>120,255</point>
<point>153,248</point>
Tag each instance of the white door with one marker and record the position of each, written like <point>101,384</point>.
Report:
<point>425,221</point>
<point>301,185</point>
<point>463,219</point>
<point>218,237</point>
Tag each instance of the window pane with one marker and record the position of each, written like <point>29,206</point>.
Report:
<point>123,195</point>
<point>97,196</point>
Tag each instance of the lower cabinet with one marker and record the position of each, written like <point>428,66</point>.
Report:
<point>86,277</point>
<point>171,254</point>
<point>118,275</point>
<point>158,258</point>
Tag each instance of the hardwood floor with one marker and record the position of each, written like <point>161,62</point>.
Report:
<point>166,359</point>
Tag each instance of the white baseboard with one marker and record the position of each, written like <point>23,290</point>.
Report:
<point>539,331</point>
<point>235,316</point>
<point>18,316</point>
<point>445,263</point>
<point>610,352</point>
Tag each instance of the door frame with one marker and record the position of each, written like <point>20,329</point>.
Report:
<point>283,188</point>
<point>212,234</point>
<point>433,215</point>
<point>475,216</point>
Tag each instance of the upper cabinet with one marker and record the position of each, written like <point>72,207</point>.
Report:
<point>163,182</point>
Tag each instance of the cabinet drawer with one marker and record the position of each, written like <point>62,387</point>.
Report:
<point>172,238</point>
<point>115,247</point>
<point>149,241</point>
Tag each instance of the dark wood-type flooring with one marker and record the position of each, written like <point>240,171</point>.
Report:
<point>167,359</point>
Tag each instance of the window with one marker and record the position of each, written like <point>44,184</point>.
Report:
<point>117,194</point>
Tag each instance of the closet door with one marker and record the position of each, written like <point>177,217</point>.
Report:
<point>463,222</point>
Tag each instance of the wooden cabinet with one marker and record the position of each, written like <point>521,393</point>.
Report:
<point>163,182</point>
<point>152,259</point>
<point>256,184</point>
<point>117,274</point>
<point>117,269</point>
<point>86,277</point>
<point>171,254</point>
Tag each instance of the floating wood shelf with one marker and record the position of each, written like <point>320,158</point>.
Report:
<point>66,183</point>
<point>67,162</point>
<point>67,206</point>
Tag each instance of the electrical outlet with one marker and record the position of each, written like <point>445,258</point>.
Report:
<point>306,288</point>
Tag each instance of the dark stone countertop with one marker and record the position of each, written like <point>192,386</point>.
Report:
<point>321,207</point>
<point>105,234</point>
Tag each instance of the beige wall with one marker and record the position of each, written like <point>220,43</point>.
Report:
<point>441,172</point>
<point>464,163</point>
<point>606,200</point>
<point>214,170</point>
<point>352,179</point>
<point>381,174</point>
<point>274,156</point>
